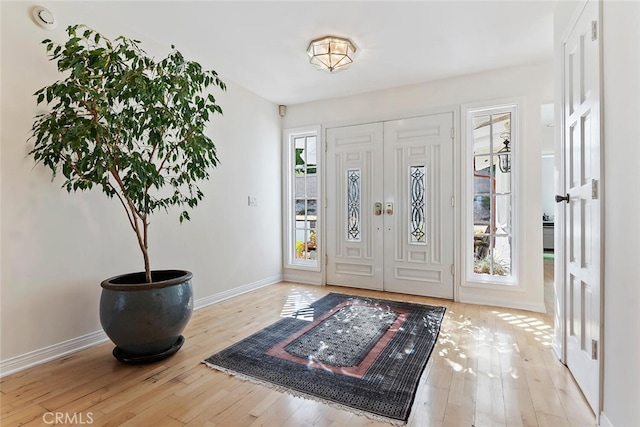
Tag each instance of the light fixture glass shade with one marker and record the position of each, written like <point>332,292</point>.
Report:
<point>331,53</point>
<point>504,157</point>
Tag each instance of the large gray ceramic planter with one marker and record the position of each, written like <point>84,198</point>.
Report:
<point>145,320</point>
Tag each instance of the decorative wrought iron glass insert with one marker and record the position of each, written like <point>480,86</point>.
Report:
<point>417,204</point>
<point>353,205</point>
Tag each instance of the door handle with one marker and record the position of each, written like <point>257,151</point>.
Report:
<point>388,209</point>
<point>562,198</point>
<point>377,208</point>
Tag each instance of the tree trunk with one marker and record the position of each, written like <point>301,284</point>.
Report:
<point>145,249</point>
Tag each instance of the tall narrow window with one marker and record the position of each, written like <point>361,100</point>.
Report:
<point>491,231</point>
<point>302,188</point>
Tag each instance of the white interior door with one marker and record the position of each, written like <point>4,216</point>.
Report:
<point>582,248</point>
<point>389,210</point>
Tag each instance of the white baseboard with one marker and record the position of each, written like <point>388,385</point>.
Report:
<point>474,299</point>
<point>604,421</point>
<point>290,276</point>
<point>215,298</point>
<point>557,349</point>
<point>56,351</point>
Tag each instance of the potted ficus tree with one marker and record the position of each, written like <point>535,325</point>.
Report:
<point>134,127</point>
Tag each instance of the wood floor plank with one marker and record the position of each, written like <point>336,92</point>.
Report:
<point>23,415</point>
<point>431,406</point>
<point>279,412</point>
<point>490,366</point>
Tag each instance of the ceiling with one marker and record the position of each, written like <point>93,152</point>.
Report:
<point>261,45</point>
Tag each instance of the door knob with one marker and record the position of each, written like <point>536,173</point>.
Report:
<point>562,198</point>
<point>388,209</point>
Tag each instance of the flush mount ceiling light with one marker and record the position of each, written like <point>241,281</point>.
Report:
<point>43,18</point>
<point>331,53</point>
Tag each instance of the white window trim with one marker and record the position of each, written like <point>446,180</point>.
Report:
<point>469,278</point>
<point>288,202</point>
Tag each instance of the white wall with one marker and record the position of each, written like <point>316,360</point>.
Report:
<point>547,134</point>
<point>533,83</point>
<point>57,248</point>
<point>621,72</point>
<point>548,185</point>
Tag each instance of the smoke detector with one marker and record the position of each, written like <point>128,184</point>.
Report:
<point>43,18</point>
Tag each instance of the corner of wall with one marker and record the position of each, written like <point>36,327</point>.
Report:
<point>604,421</point>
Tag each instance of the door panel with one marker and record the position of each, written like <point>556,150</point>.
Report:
<point>406,244</point>
<point>582,182</point>
<point>354,185</point>
<point>418,180</point>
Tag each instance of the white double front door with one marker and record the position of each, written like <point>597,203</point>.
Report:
<point>390,212</point>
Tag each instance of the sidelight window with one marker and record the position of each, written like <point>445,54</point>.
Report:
<point>492,143</point>
<point>302,195</point>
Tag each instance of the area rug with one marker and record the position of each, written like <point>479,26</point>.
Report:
<point>361,354</point>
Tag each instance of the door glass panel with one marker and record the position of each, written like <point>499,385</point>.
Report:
<point>417,205</point>
<point>312,207</point>
<point>502,214</point>
<point>305,188</point>
<point>482,212</point>
<point>353,205</point>
<point>492,198</point>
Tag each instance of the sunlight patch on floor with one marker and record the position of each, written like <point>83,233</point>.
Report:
<point>297,305</point>
<point>541,331</point>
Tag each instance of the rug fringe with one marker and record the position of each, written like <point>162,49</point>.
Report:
<point>296,393</point>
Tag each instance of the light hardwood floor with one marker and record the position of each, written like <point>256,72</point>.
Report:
<point>491,366</point>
